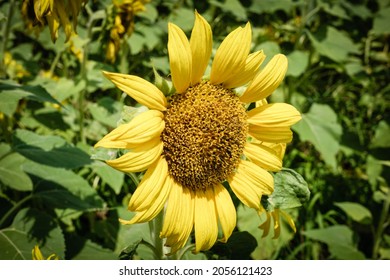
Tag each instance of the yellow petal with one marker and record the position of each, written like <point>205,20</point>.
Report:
<point>139,159</point>
<point>150,186</point>
<point>244,192</point>
<point>231,55</point>
<point>270,134</point>
<point>265,226</point>
<point>206,224</point>
<point>267,80</point>
<point>250,182</point>
<point>289,220</point>
<point>275,215</point>
<point>278,148</point>
<point>247,73</point>
<point>263,156</point>
<point>226,211</point>
<point>139,89</point>
<point>179,217</point>
<point>201,46</point>
<point>271,122</point>
<point>142,128</point>
<point>157,205</point>
<point>274,115</point>
<point>180,57</point>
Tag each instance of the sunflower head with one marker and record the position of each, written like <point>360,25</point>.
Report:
<point>203,135</point>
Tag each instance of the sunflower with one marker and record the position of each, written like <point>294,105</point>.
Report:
<point>203,136</point>
<point>53,13</point>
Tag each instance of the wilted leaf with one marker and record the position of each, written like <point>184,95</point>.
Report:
<point>320,127</point>
<point>291,190</point>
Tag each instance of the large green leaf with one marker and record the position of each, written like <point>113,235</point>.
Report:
<point>381,21</point>
<point>106,111</point>
<point>29,228</point>
<point>93,251</point>
<point>339,240</point>
<point>36,93</point>
<point>356,212</point>
<point>61,188</point>
<point>49,150</point>
<point>297,63</point>
<point>231,6</point>
<point>11,172</point>
<point>336,45</point>
<point>320,127</point>
<point>111,176</point>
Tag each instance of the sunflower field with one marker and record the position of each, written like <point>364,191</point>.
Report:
<point>99,101</point>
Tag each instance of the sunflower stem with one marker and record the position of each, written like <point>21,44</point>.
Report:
<point>155,227</point>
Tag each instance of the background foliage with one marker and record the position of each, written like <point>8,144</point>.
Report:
<point>55,105</point>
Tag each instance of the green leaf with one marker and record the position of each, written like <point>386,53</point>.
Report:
<point>231,6</point>
<point>36,93</point>
<point>9,102</point>
<point>336,45</point>
<point>62,189</point>
<point>106,111</point>
<point>291,190</point>
<point>339,241</point>
<point>29,228</point>
<point>111,176</point>
<point>297,63</point>
<point>271,6</point>
<point>49,150</point>
<point>356,212</point>
<point>381,22</point>
<point>93,251</point>
<point>129,252</point>
<point>239,246</point>
<point>374,169</point>
<point>320,127</point>
<point>382,136</point>
<point>11,172</point>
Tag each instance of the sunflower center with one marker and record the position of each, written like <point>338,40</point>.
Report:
<point>204,135</point>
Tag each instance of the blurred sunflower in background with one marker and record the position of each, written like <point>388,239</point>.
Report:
<point>54,13</point>
<point>120,23</point>
<point>202,141</point>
